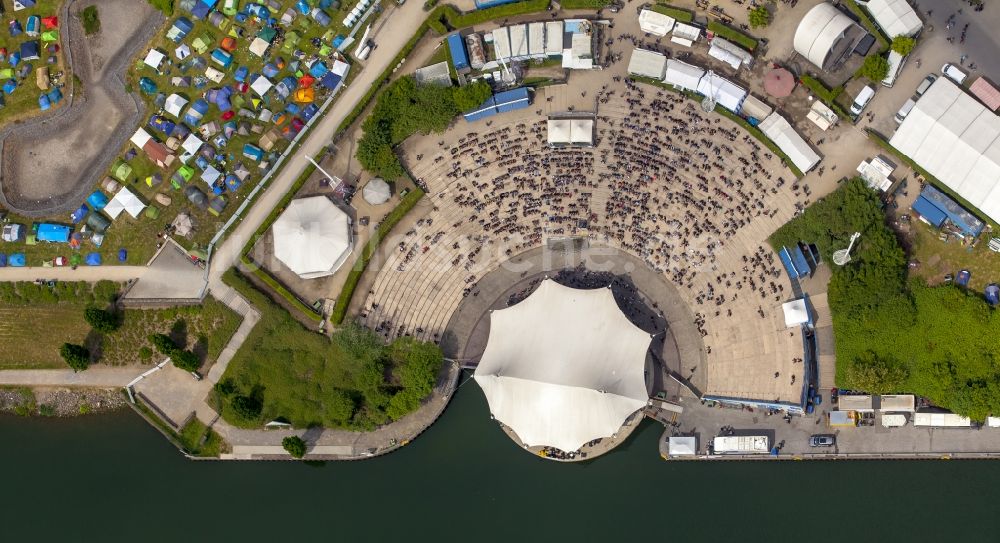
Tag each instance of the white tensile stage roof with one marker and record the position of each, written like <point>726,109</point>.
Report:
<point>564,367</point>
<point>312,237</point>
<point>571,131</point>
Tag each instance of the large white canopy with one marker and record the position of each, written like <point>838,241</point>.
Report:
<point>571,131</point>
<point>564,366</point>
<point>553,38</point>
<point>312,237</point>
<point>125,201</point>
<point>819,32</point>
<point>377,191</point>
<point>682,446</point>
<point>683,75</point>
<point>730,53</point>
<point>725,93</point>
<point>796,312</point>
<point>781,132</point>
<point>957,140</point>
<point>655,23</point>
<point>647,63</point>
<point>261,85</point>
<point>896,17</point>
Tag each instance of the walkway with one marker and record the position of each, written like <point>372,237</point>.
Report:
<point>82,273</point>
<point>94,377</point>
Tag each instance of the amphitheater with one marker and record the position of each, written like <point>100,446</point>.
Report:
<point>686,194</point>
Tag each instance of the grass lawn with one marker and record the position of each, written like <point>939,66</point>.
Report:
<point>938,258</point>
<point>23,102</point>
<point>193,437</point>
<point>91,20</point>
<point>25,348</point>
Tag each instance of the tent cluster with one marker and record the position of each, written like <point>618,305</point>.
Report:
<point>31,40</point>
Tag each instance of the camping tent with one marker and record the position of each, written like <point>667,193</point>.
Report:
<point>796,313</point>
<point>175,104</point>
<point>154,58</point>
<point>377,191</point>
<point>564,366</point>
<point>312,237</point>
<point>125,201</point>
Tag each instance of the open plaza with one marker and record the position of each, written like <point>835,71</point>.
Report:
<point>596,216</point>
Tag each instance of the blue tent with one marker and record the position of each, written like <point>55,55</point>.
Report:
<point>459,58</point>
<point>303,7</point>
<point>232,182</point>
<point>97,200</point>
<point>270,70</point>
<point>43,102</point>
<point>15,28</point>
<point>161,123</point>
<point>320,16</point>
<point>513,99</point>
<point>241,74</point>
<point>955,213</point>
<point>963,277</point>
<point>200,9</point>
<point>258,10</point>
<point>3,260</point>
<point>147,85</point>
<point>54,233</point>
<point>252,152</point>
<point>195,112</point>
<point>330,80</point>
<point>122,255</point>
<point>992,293</point>
<point>222,58</point>
<point>30,50</point>
<point>929,212</point>
<point>308,111</point>
<point>79,214</point>
<point>93,259</point>
<point>292,108</point>
<point>181,27</point>
<point>55,96</point>
<point>9,86</point>
<point>221,98</point>
<point>14,59</point>
<point>16,260</point>
<point>32,25</point>
<point>318,69</point>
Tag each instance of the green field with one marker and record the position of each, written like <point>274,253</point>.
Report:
<point>938,258</point>
<point>23,102</point>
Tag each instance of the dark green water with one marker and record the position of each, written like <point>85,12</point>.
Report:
<point>112,478</point>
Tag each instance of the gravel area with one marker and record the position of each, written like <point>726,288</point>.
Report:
<point>60,401</point>
<point>41,171</point>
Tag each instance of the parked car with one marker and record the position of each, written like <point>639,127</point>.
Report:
<point>822,440</point>
<point>954,73</point>
<point>926,84</point>
<point>861,101</point>
<point>905,110</point>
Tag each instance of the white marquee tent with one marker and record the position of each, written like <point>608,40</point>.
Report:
<point>174,104</point>
<point>781,132</point>
<point>647,63</point>
<point>154,58</point>
<point>683,75</point>
<point>261,85</point>
<point>125,201</point>
<point>895,17</point>
<point>312,237</point>
<point>682,446</point>
<point>564,366</point>
<point>796,312</point>
<point>377,191</point>
<point>730,53</point>
<point>820,32</point>
<point>725,93</point>
<point>957,140</point>
<point>655,23</point>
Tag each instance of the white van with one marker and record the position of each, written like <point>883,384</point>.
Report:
<point>862,99</point>
<point>905,110</point>
<point>896,62</point>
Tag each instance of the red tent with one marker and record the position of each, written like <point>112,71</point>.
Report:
<point>51,22</point>
<point>306,81</point>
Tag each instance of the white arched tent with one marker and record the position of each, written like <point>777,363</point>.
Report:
<point>820,33</point>
<point>312,237</point>
<point>564,367</point>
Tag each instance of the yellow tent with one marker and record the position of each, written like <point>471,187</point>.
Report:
<point>305,96</point>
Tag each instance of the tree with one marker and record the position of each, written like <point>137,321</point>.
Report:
<point>877,375</point>
<point>247,407</point>
<point>166,6</point>
<point>875,68</point>
<point>185,360</point>
<point>760,17</point>
<point>163,344</point>
<point>295,446</point>
<point>76,356</point>
<point>101,320</point>
<point>471,96</point>
<point>903,44</point>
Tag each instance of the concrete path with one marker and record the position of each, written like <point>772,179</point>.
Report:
<point>93,377</point>
<point>82,273</point>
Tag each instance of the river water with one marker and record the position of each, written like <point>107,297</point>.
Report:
<point>112,477</point>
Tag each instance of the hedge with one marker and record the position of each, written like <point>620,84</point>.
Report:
<point>681,15</point>
<point>827,96</point>
<point>280,289</point>
<point>732,35</point>
<point>753,130</point>
<point>381,231</point>
<point>584,4</point>
<point>883,143</point>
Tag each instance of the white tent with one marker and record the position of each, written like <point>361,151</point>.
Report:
<point>312,237</point>
<point>259,46</point>
<point>558,131</point>
<point>755,107</point>
<point>655,23</point>
<point>821,115</point>
<point>685,34</point>
<point>682,446</point>
<point>214,74</point>
<point>553,38</point>
<point>182,52</point>
<point>190,146</point>
<point>683,75</point>
<point>174,104</point>
<point>140,138</point>
<point>377,191</point>
<point>582,131</point>
<point>877,173</point>
<point>896,17</point>
<point>796,313</point>
<point>501,43</point>
<point>125,201</point>
<point>536,40</point>
<point>647,63</point>
<point>519,41</point>
<point>154,58</point>
<point>564,366</point>
<point>780,131</point>
<point>730,53</point>
<point>210,175</point>
<point>820,32</point>
<point>957,140</point>
<point>261,85</point>
<point>725,93</point>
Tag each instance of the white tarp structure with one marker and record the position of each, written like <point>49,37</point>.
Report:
<point>125,201</point>
<point>877,173</point>
<point>943,420</point>
<point>501,43</point>
<point>558,131</point>
<point>536,40</point>
<point>957,140</point>
<point>571,131</point>
<point>312,237</point>
<point>377,191</point>
<point>855,402</point>
<point>682,446</point>
<point>683,75</point>
<point>730,53</point>
<point>564,366</point>
<point>685,34</point>
<point>755,107</point>
<point>174,104</point>
<point>821,115</point>
<point>261,85</point>
<point>740,445</point>
<point>154,58</point>
<point>893,420</point>
<point>190,146</point>
<point>655,23</point>
<point>259,46</point>
<point>993,422</point>
<point>579,55</point>
<point>796,312</point>
<point>518,41</point>
<point>647,63</point>
<point>819,34</point>
<point>725,93</point>
<point>898,402</point>
<point>781,132</point>
<point>895,17</point>
<point>553,38</point>
<point>140,138</point>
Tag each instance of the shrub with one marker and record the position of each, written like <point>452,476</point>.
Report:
<point>903,44</point>
<point>732,35</point>
<point>76,356</point>
<point>101,320</point>
<point>91,22</point>
<point>247,407</point>
<point>163,344</point>
<point>185,360</point>
<point>226,387</point>
<point>681,15</point>
<point>875,68</point>
<point>295,446</point>
<point>145,353</point>
<point>760,17</point>
<point>166,6</point>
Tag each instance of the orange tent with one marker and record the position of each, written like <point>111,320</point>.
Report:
<point>305,96</point>
<point>229,43</point>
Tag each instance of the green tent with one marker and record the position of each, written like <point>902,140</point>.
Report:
<point>181,177</point>
<point>267,34</point>
<point>98,222</point>
<point>6,73</point>
<point>291,40</point>
<point>121,170</point>
<point>51,35</point>
<point>152,212</point>
<point>202,43</point>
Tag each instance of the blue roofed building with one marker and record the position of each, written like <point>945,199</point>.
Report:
<point>459,57</point>
<point>935,208</point>
<point>513,99</point>
<point>486,109</point>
